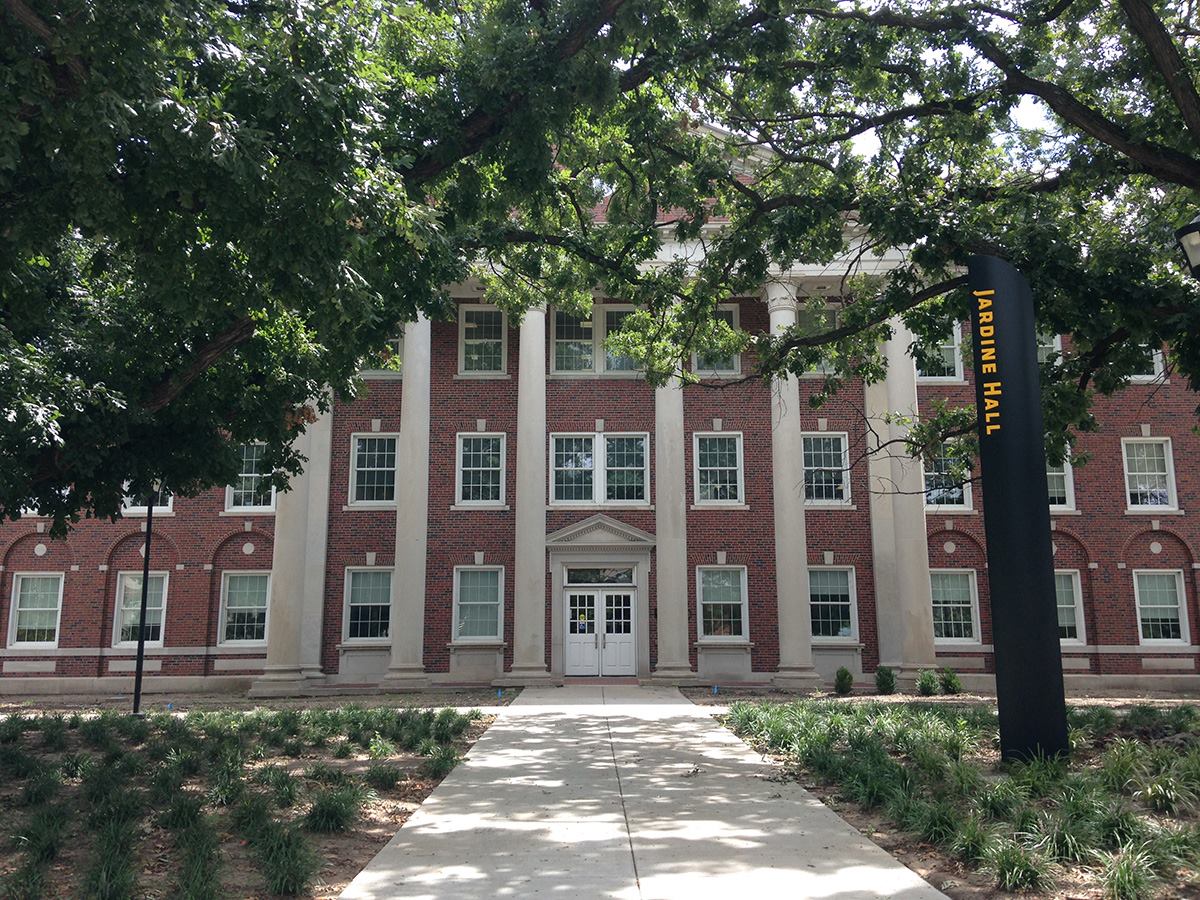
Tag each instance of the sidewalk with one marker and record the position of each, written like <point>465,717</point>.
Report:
<point>630,793</point>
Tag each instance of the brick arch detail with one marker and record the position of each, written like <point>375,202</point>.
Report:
<point>156,541</point>
<point>1149,534</point>
<point>255,536</point>
<point>40,537</point>
<point>939,537</point>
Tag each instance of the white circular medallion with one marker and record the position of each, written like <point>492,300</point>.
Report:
<point>949,546</point>
<point>1155,547</point>
<point>247,548</point>
<point>39,550</point>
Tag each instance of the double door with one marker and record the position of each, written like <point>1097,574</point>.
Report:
<point>600,633</point>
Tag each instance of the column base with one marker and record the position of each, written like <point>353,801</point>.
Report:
<point>528,676</point>
<point>906,673</point>
<point>797,678</point>
<point>286,681</point>
<point>404,680</point>
<point>672,675</point>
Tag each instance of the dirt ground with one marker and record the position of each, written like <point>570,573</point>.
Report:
<point>726,696</point>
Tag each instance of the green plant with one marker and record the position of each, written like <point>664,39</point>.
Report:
<point>41,786</point>
<point>1118,825</point>
<point>76,765</point>
<point>284,787</point>
<point>288,863</point>
<point>252,817</point>
<point>54,733</point>
<point>1165,792</point>
<point>440,762</point>
<point>197,873</point>
<point>165,783</point>
<point>448,725</point>
<point>335,809</point>
<point>927,683</point>
<point>1128,874</point>
<point>938,822</point>
<point>184,810</point>
<point>341,750</point>
<point>885,680</point>
<point>1063,839</point>
<point>43,834</point>
<point>843,681</point>
<point>1018,868</point>
<point>382,777</point>
<point>972,840</point>
<point>381,748</point>
<point>226,786</point>
<point>949,682</point>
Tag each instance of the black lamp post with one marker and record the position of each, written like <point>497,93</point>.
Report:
<point>1189,241</point>
<point>151,499</point>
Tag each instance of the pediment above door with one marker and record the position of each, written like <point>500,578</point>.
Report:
<point>600,532</point>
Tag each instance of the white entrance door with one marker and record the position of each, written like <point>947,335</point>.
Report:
<point>600,633</point>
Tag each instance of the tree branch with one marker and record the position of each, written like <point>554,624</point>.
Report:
<point>32,21</point>
<point>1174,71</point>
<point>204,357</point>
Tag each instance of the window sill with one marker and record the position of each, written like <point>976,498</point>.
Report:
<point>243,645</point>
<point>1148,511</point>
<point>158,514</point>
<point>1065,512</point>
<point>467,507</point>
<point>486,644</point>
<point>717,376</point>
<point>584,376</point>
<point>973,646</point>
<point>482,376</point>
<point>132,648</point>
<point>935,379</point>
<point>380,375</point>
<point>950,511</point>
<point>846,643</point>
<point>372,644</point>
<point>729,643</point>
<point>246,512</point>
<point>849,506</point>
<point>716,506</point>
<point>361,507</point>
<point>13,645</point>
<point>1163,643</point>
<point>594,506</point>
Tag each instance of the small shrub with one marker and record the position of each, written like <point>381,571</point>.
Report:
<point>448,725</point>
<point>76,765</point>
<point>441,761</point>
<point>1064,840</point>
<point>1018,868</point>
<point>927,683</point>
<point>885,680</point>
<point>334,810</point>
<point>1120,763</point>
<point>26,883</point>
<point>43,834</point>
<point>12,728</point>
<point>382,777</point>
<point>973,839</point>
<point>949,681</point>
<point>1127,875</point>
<point>165,783</point>
<point>197,845</point>
<point>381,748</point>
<point>284,788</point>
<point>341,750</point>
<point>938,822</point>
<point>252,817</point>
<point>843,681</point>
<point>1118,825</point>
<point>226,786</point>
<point>1041,776</point>
<point>1164,792</point>
<point>110,876</point>
<point>1147,721</point>
<point>288,863</point>
<point>54,734</point>
<point>41,787</point>
<point>16,763</point>
<point>324,773</point>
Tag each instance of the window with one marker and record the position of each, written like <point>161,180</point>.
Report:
<point>1048,345</point>
<point>388,362</point>
<point>810,321</point>
<point>945,362</point>
<point>1149,473</point>
<point>722,592</point>
<point>136,506</point>
<point>622,478</point>
<point>955,608</point>
<point>368,604</point>
<point>480,470</point>
<point>1153,370</point>
<point>252,492</point>
<point>477,595</point>
<point>709,364</point>
<point>718,468</point>
<point>831,601</point>
<point>573,343</point>
<point>1068,597</point>
<point>482,340</point>
<point>244,607</point>
<point>1162,615</point>
<point>36,606</point>
<point>1060,482</point>
<point>129,606</point>
<point>613,320</point>
<point>826,469</point>
<point>943,489</point>
<point>373,469</point>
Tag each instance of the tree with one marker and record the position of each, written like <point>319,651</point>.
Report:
<point>216,211</point>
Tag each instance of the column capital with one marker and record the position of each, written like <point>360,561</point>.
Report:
<point>780,296</point>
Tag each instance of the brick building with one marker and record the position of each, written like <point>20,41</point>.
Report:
<point>520,506</point>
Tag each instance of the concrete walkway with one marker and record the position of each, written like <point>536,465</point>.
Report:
<point>630,793</point>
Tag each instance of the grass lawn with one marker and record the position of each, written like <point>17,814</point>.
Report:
<point>213,804</point>
<point>925,780</point>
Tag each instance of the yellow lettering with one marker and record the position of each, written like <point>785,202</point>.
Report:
<point>992,388</point>
<point>985,316</point>
<point>989,368</point>
<point>990,403</point>
<point>987,331</point>
<point>989,353</point>
<point>991,428</point>
<point>986,293</point>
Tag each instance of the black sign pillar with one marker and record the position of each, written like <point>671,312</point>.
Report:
<point>1029,679</point>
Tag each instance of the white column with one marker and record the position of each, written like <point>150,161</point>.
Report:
<point>529,581</point>
<point>407,669</point>
<point>670,533</point>
<point>298,571</point>
<point>900,550</point>
<point>791,545</point>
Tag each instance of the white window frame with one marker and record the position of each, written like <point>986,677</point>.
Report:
<point>599,469</point>
<point>160,509</point>
<point>12,611</point>
<point>736,325</point>
<point>741,469</point>
<point>957,377</point>
<point>230,508</point>
<point>389,374</point>
<point>976,625</point>
<point>1185,633</point>
<point>162,631</point>
<point>744,637</point>
<point>1055,346</point>
<point>968,504</point>
<point>599,354</point>
<point>833,314</point>
<point>1077,588</point>
<point>458,470</point>
<point>502,372</point>
<point>479,639</point>
<point>353,467</point>
<point>845,501</point>
<point>1169,455</point>
<point>852,638</point>
<point>221,641</point>
<point>1069,479</point>
<point>358,641</point>
<point>1159,361</point>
